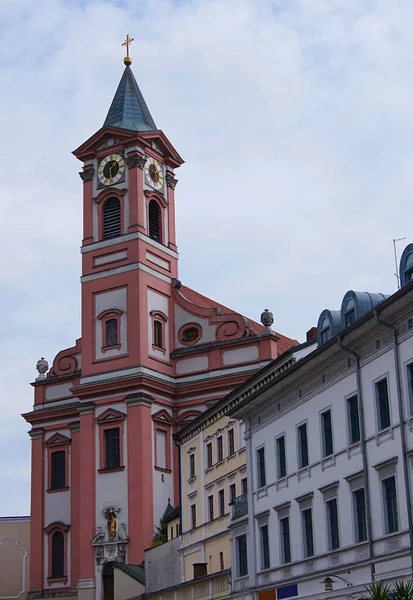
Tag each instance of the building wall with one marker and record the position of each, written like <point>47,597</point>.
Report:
<point>324,384</point>
<point>14,557</point>
<point>163,566</point>
<point>126,587</point>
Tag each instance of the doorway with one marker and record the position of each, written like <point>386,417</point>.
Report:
<point>108,582</point>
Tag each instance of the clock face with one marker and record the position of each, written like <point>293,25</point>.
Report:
<point>154,173</point>
<point>111,169</point>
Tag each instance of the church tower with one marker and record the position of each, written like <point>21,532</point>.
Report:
<point>129,252</point>
<point>153,354</point>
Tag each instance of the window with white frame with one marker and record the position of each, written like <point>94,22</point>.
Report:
<point>193,516</point>
<point>283,513</point>
<point>191,466</point>
<point>302,446</point>
<point>326,434</point>
<point>409,372</point>
<point>210,508</point>
<point>285,540</point>
<point>359,511</point>
<point>391,517</point>
<point>330,493</point>
<point>308,537</point>
<point>220,449</point>
<point>221,501</point>
<point>231,442</point>
<point>332,524</point>
<point>261,479</point>
<point>353,419</point>
<point>232,493</point>
<point>209,455</point>
<point>281,457</point>
<point>383,404</point>
<point>265,547</point>
<point>242,562</point>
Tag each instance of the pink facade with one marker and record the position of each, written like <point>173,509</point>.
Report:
<point>152,355</point>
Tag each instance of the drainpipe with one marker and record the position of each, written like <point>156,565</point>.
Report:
<point>363,453</point>
<point>402,430</point>
<point>250,500</point>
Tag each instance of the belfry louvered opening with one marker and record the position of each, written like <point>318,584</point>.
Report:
<point>111,218</point>
<point>154,221</point>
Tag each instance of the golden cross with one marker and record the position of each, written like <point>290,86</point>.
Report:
<point>127,43</point>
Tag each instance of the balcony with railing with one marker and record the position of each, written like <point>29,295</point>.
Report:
<point>240,506</point>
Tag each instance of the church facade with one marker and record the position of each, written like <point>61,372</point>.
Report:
<point>153,354</point>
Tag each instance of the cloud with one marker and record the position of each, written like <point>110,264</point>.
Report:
<point>295,121</point>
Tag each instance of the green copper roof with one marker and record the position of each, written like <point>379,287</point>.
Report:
<point>128,109</point>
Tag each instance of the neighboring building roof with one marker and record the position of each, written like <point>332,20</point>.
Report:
<point>379,308</point>
<point>135,571</point>
<point>129,109</point>
<point>283,343</point>
<point>174,514</point>
<point>168,510</point>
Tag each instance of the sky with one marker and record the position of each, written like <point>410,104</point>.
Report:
<point>295,121</point>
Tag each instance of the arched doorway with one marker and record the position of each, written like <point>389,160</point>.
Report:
<point>108,582</point>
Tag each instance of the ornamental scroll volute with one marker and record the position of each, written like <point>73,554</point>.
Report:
<point>67,361</point>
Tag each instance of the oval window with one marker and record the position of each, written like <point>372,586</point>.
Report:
<point>190,334</point>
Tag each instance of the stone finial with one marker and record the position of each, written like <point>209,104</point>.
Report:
<point>267,319</point>
<point>42,367</point>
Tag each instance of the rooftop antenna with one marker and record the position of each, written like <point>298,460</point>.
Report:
<point>396,261</point>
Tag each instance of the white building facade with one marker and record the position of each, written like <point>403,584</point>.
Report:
<point>329,447</point>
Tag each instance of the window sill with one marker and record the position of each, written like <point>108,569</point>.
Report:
<point>159,349</point>
<point>114,347</point>
<point>56,490</point>
<point>220,462</point>
<point>57,580</point>
<point>163,469</point>
<point>262,492</point>
<point>115,470</point>
<point>192,479</point>
<point>281,483</point>
<point>211,468</point>
<point>231,455</point>
<point>328,461</point>
<point>384,435</point>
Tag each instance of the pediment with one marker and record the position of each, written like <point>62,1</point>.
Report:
<point>57,440</point>
<point>162,416</point>
<point>110,416</point>
<point>104,138</point>
<point>159,143</point>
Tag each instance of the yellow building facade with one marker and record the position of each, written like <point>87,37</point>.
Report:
<point>213,475</point>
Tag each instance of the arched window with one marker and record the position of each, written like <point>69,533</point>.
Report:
<point>155,230</point>
<point>349,312</point>
<point>325,333</point>
<point>111,218</point>
<point>111,327</point>
<point>58,555</point>
<point>158,334</point>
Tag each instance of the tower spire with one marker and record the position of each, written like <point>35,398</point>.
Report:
<point>129,109</point>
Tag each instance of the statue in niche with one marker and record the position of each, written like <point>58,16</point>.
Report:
<point>112,524</point>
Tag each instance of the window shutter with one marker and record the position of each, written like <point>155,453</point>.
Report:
<point>111,219</point>
<point>154,221</point>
